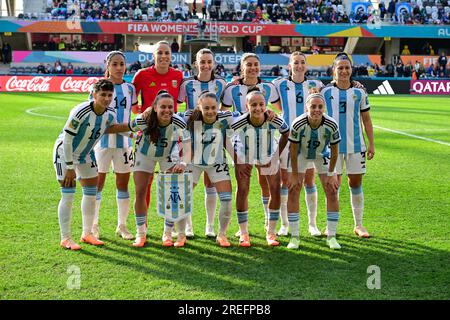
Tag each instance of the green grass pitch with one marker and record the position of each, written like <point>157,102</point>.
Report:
<point>407,210</point>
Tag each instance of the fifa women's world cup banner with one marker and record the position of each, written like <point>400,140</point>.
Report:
<point>72,84</point>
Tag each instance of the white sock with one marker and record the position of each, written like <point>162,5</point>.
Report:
<point>265,201</point>
<point>65,212</point>
<point>294,223</point>
<point>168,227</point>
<point>273,220</point>
<point>224,212</point>
<point>283,206</point>
<point>311,204</point>
<point>141,225</point>
<point>98,201</point>
<point>188,225</point>
<point>123,206</point>
<point>210,205</point>
<point>243,221</point>
<point>181,225</point>
<point>332,221</point>
<point>357,201</point>
<point>88,208</point>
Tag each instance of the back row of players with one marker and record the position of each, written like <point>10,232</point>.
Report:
<point>321,142</point>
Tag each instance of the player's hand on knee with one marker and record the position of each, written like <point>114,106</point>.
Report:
<point>69,178</point>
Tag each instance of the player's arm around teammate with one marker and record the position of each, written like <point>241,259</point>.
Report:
<point>311,136</point>
<point>74,158</point>
<point>349,106</point>
<point>161,130</point>
<point>116,148</point>
<point>256,140</point>
<point>208,129</point>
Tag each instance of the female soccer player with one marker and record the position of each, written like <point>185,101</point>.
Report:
<point>116,148</point>
<point>311,135</point>
<point>190,91</point>
<point>256,145</point>
<point>74,158</point>
<point>234,97</point>
<point>161,131</point>
<point>208,128</point>
<point>293,92</point>
<point>160,76</point>
<point>348,106</point>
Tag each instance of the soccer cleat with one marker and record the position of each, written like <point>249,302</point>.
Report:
<point>96,231</point>
<point>181,241</point>
<point>209,231</point>
<point>244,240</point>
<point>333,244</point>
<point>272,240</point>
<point>167,241</point>
<point>141,240</point>
<point>123,232</point>
<point>237,234</point>
<point>314,231</point>
<point>189,232</point>
<point>325,232</point>
<point>294,243</point>
<point>70,244</point>
<point>284,230</point>
<point>222,241</point>
<point>361,232</point>
<point>90,239</point>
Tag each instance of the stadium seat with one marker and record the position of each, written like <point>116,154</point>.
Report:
<point>428,10</point>
<point>34,70</point>
<point>27,70</point>
<point>340,8</point>
<point>20,70</point>
<point>434,9</point>
<point>13,70</point>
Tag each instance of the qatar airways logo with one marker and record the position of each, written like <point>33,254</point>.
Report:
<point>36,84</point>
<point>430,87</point>
<point>70,84</point>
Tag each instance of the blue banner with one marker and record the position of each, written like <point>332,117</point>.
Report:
<point>364,6</point>
<point>401,8</point>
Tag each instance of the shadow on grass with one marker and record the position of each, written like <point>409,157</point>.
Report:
<point>408,270</point>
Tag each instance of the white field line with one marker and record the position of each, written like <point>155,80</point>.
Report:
<point>33,113</point>
<point>412,135</point>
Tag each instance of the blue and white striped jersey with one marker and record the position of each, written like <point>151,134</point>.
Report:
<point>207,140</point>
<point>87,128</point>
<point>293,96</point>
<point>257,144</point>
<point>168,137</point>
<point>123,99</point>
<point>234,95</point>
<point>314,143</point>
<point>191,88</point>
<point>345,106</point>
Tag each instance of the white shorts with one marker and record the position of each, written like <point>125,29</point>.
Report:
<point>83,171</point>
<point>216,173</point>
<point>355,163</point>
<point>303,164</point>
<point>147,164</point>
<point>121,158</point>
<point>272,169</point>
<point>285,159</point>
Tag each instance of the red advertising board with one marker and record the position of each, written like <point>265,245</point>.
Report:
<point>46,84</point>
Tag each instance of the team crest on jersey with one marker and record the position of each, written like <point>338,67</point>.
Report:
<point>153,84</point>
<point>354,97</point>
<point>174,83</point>
<point>74,124</point>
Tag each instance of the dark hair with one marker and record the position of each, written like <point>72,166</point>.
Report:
<point>108,60</point>
<point>196,114</point>
<point>199,53</point>
<point>103,84</point>
<point>340,57</point>
<point>151,117</point>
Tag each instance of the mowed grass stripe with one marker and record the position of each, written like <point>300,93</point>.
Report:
<point>407,205</point>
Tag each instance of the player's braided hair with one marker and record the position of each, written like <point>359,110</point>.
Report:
<point>151,117</point>
<point>108,59</point>
<point>197,113</point>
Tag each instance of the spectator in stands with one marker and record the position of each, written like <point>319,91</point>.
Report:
<point>175,47</point>
<point>41,69</point>
<point>408,69</point>
<point>405,50</point>
<point>442,62</point>
<point>6,53</point>
<point>399,68</point>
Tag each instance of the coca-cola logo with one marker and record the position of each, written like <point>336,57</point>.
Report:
<point>41,84</point>
<point>70,84</point>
